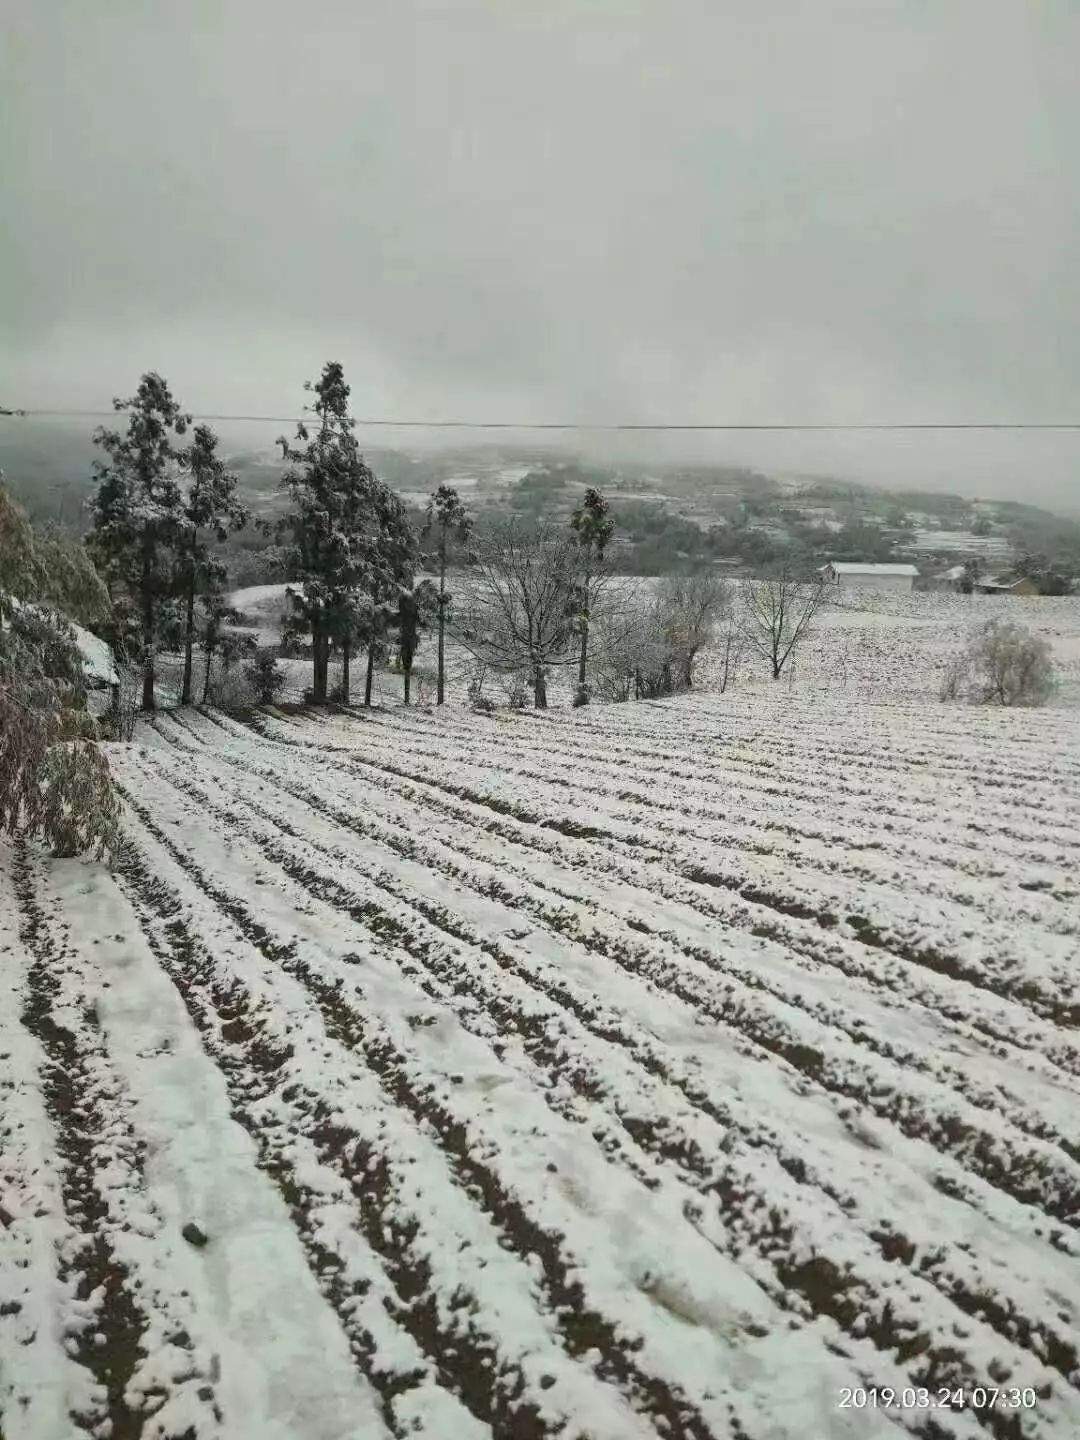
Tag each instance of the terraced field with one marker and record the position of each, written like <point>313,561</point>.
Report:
<point>684,1070</point>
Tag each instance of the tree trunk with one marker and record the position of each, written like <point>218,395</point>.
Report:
<point>346,657</point>
<point>189,636</point>
<point>320,657</point>
<point>147,628</point>
<point>370,674</point>
<point>440,688</point>
<point>582,658</point>
<point>539,688</point>
<point>408,681</point>
<point>206,675</point>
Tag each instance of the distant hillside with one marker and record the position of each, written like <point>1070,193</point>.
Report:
<point>669,514</point>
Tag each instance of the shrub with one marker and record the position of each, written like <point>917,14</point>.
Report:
<point>266,676</point>
<point>118,722</point>
<point>1003,664</point>
<point>54,778</point>
<point>477,699</point>
<point>424,682</point>
<point>517,695</point>
<point>232,690</point>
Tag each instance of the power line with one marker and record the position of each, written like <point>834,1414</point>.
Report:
<point>721,426</point>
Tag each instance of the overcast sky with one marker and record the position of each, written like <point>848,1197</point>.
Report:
<point>738,210</point>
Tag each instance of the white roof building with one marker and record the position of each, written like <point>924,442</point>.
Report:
<point>857,575</point>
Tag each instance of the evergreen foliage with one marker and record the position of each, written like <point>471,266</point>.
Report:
<point>447,520</point>
<point>138,510</point>
<point>211,509</point>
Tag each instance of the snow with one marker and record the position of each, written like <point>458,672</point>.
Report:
<point>845,567</point>
<point>98,661</point>
<point>887,645</point>
<point>629,1072</point>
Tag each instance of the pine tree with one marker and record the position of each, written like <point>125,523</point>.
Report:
<point>416,606</point>
<point>210,507</point>
<point>391,569</point>
<point>214,614</point>
<point>448,521</point>
<point>138,508</point>
<point>332,523</point>
<point>593,528</point>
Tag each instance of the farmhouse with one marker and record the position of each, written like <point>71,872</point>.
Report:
<point>950,579</point>
<point>855,575</point>
<point>1023,585</point>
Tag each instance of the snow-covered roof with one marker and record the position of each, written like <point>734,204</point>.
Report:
<point>852,567</point>
<point>998,582</point>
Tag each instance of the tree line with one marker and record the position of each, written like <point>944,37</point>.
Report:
<point>534,597</point>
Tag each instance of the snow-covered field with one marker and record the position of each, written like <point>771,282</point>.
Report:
<point>881,646</point>
<point>871,645</point>
<point>682,1069</point>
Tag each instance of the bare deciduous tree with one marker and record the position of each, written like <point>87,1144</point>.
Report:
<point>518,613</point>
<point>777,615</point>
<point>690,606</point>
<point>638,652</point>
<point>732,643</point>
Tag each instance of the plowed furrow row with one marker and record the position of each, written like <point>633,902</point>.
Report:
<point>768,910</point>
<point>764,1225</point>
<point>1055,1002</point>
<point>101,1157</point>
<point>1032,1175</point>
<point>583,1332</point>
<point>534,895</point>
<point>814,783</point>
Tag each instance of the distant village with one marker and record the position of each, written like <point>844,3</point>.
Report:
<point>743,523</point>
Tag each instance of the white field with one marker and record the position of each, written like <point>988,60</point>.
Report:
<point>659,1070</point>
<point>879,646</point>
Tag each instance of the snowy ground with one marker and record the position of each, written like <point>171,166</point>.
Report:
<point>871,645</point>
<point>887,646</point>
<point>657,1070</point>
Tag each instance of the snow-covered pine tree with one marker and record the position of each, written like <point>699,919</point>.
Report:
<point>450,525</point>
<point>332,524</point>
<point>213,615</point>
<point>391,569</point>
<point>137,509</point>
<point>593,527</point>
<point>210,508</point>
